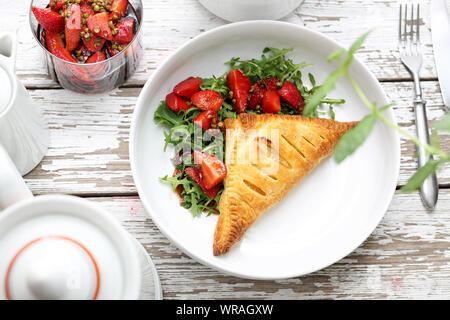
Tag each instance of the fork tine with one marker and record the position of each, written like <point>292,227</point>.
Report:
<point>418,25</point>
<point>411,30</point>
<point>404,25</point>
<point>400,24</point>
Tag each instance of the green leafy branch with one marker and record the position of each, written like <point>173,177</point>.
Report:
<point>353,139</point>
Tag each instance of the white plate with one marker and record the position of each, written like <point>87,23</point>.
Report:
<point>328,215</point>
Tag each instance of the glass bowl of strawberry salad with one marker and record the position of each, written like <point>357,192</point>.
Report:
<point>90,46</point>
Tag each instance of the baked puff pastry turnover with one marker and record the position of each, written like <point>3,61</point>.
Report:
<point>266,156</point>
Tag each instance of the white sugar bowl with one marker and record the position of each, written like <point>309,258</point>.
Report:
<point>61,247</point>
<point>242,10</point>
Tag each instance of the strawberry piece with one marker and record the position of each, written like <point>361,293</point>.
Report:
<point>257,93</point>
<point>205,119</point>
<point>95,43</point>
<point>48,19</point>
<point>96,57</point>
<point>96,70</point>
<point>98,25</point>
<point>207,100</point>
<point>271,102</point>
<point>239,84</point>
<point>111,51</point>
<point>73,27</point>
<point>64,54</point>
<point>290,94</point>
<point>53,40</point>
<point>86,8</point>
<point>177,103</point>
<point>272,83</point>
<point>195,174</point>
<point>212,169</point>
<point>84,50</point>
<point>188,87</point>
<point>118,9</point>
<point>125,31</point>
<point>56,5</point>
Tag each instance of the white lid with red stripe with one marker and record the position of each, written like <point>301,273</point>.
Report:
<point>63,247</point>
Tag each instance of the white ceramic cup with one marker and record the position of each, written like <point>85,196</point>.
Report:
<point>242,10</point>
<point>61,247</point>
<point>23,131</point>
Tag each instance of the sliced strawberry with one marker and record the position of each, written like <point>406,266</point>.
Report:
<point>271,102</point>
<point>239,84</point>
<point>188,87</point>
<point>125,31</point>
<point>86,8</point>
<point>290,94</point>
<point>73,27</point>
<point>98,25</point>
<point>118,9</point>
<point>53,40</point>
<point>95,43</point>
<point>272,83</point>
<point>212,169</point>
<point>96,70</point>
<point>207,100</point>
<point>48,19</point>
<point>111,51</point>
<point>177,103</point>
<point>62,53</point>
<point>96,57</point>
<point>84,50</point>
<point>256,95</point>
<point>195,174</point>
<point>205,119</point>
<point>56,5</point>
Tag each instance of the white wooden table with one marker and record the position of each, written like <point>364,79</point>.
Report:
<point>407,256</point>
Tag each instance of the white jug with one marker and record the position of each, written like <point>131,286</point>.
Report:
<point>23,131</point>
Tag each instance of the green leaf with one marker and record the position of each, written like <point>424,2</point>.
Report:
<point>315,99</point>
<point>419,177</point>
<point>331,112</point>
<point>336,54</point>
<point>354,138</point>
<point>355,47</point>
<point>166,116</point>
<point>312,79</point>
<point>443,124</point>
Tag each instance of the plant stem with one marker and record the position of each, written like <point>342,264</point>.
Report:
<point>376,111</point>
<point>332,101</point>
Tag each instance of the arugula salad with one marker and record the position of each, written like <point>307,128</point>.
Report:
<point>194,113</point>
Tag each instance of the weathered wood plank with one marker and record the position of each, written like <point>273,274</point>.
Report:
<point>89,148</point>
<point>407,256</point>
<point>169,24</point>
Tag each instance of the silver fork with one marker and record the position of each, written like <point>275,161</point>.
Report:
<point>409,49</point>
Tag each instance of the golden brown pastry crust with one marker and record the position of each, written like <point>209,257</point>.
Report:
<point>266,156</point>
